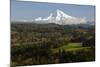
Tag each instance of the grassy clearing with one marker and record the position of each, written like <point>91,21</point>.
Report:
<point>71,47</point>
<point>76,49</point>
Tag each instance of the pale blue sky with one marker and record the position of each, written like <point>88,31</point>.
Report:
<point>21,10</point>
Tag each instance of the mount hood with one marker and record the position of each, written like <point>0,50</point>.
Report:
<point>61,18</point>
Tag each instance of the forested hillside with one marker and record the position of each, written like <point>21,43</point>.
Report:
<point>33,44</point>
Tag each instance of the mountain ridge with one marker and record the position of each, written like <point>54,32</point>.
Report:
<point>61,18</point>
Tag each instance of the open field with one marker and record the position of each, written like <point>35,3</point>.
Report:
<point>71,47</point>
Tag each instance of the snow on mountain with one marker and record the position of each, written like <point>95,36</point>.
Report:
<point>49,17</point>
<point>62,19</point>
<point>38,19</point>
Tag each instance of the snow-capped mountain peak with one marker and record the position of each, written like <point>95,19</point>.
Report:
<point>62,19</point>
<point>61,13</point>
<point>49,17</point>
<point>58,15</point>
